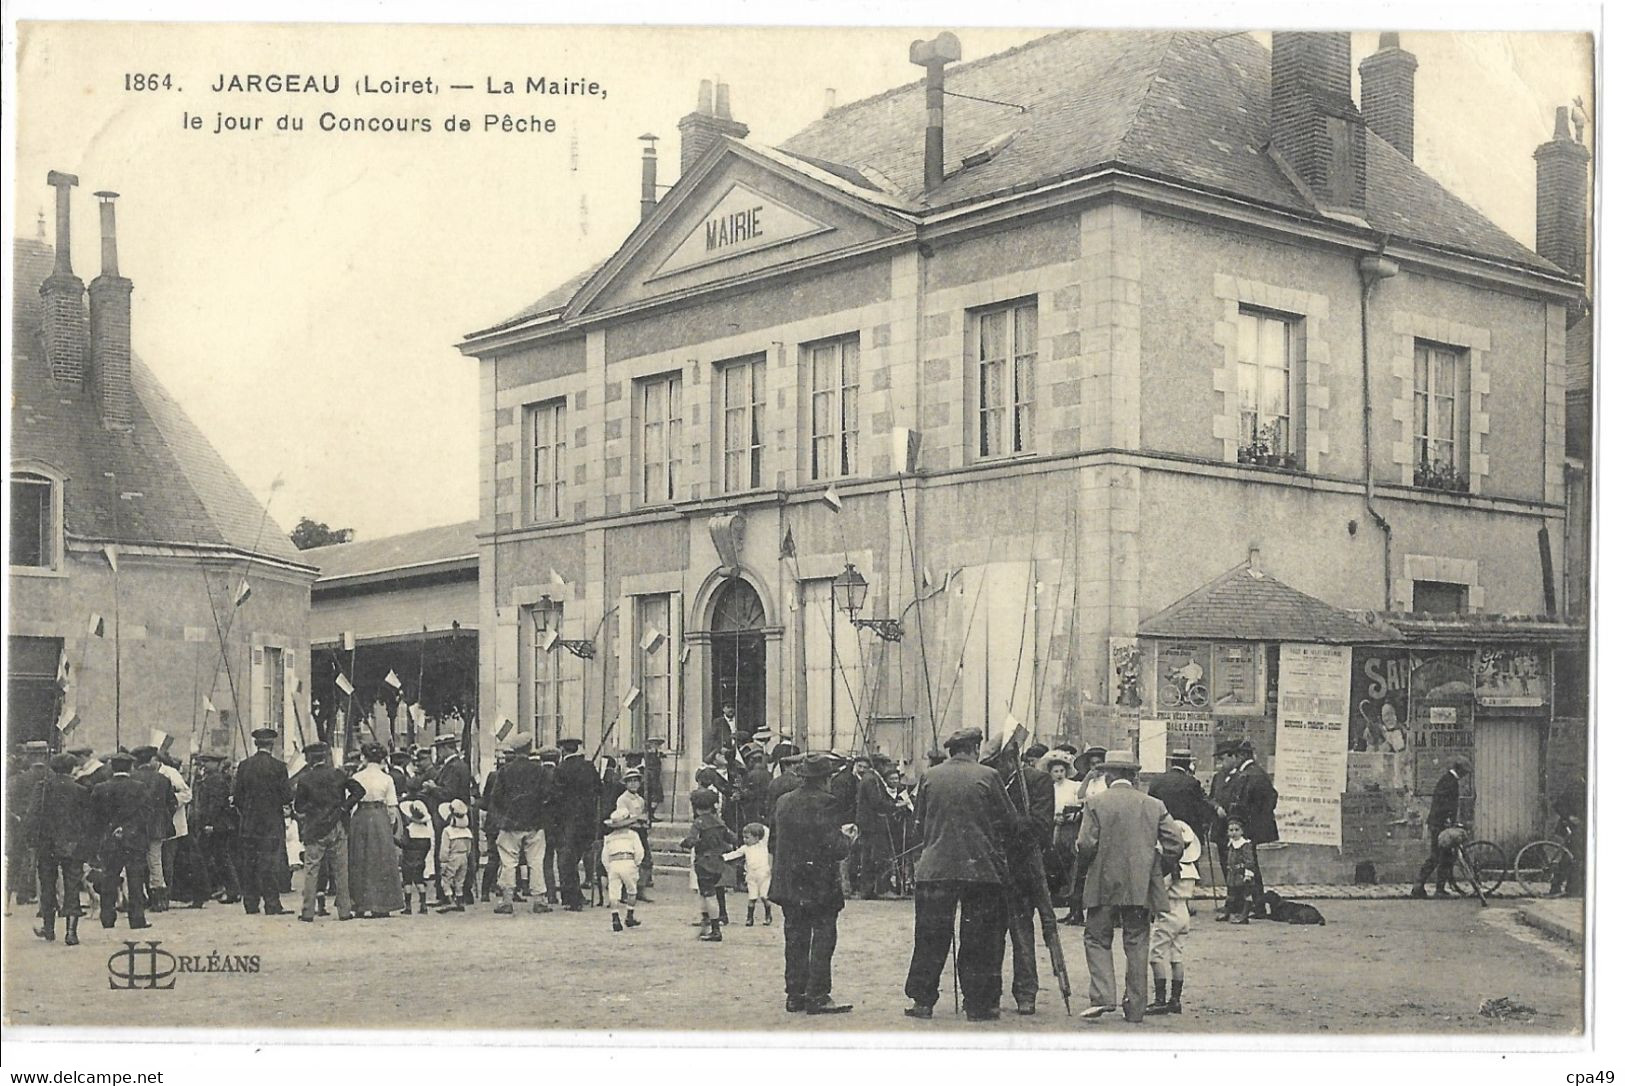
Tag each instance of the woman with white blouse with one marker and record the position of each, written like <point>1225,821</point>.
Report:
<point>375,858</point>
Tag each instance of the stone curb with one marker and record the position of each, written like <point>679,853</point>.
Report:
<point>1544,919</point>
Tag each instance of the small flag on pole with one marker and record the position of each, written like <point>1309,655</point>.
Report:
<point>556,577</point>
<point>652,639</point>
<point>504,729</point>
<point>682,657</point>
<point>243,592</point>
<point>296,763</point>
<point>68,720</point>
<point>169,741</point>
<point>111,552</point>
<point>98,628</point>
<point>548,639</point>
<point>832,499</point>
<point>208,705</point>
<point>392,679</point>
<point>63,679</point>
<point>349,641</point>
<point>1011,727</point>
<point>791,602</point>
<point>925,577</point>
<point>631,698</point>
<point>343,684</point>
<point>787,548</point>
<point>158,738</point>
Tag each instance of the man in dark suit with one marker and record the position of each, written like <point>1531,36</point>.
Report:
<point>965,821</point>
<point>58,832</point>
<point>576,786</point>
<point>551,826</point>
<point>873,808</point>
<point>1127,842</point>
<point>786,782</point>
<point>323,799</point>
<point>724,730</point>
<point>27,772</point>
<point>164,804</point>
<point>216,820</point>
<point>1252,799</point>
<point>1182,794</point>
<point>808,842</point>
<point>519,804</point>
<point>260,793</point>
<point>1443,812</point>
<point>122,811</point>
<point>1032,794</point>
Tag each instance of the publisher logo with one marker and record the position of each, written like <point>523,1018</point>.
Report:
<point>141,965</point>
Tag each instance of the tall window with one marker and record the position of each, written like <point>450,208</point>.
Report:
<point>660,407</point>
<point>1264,386</point>
<point>834,376</point>
<point>547,460</point>
<point>546,684</point>
<point>744,423</point>
<point>275,688</point>
<point>33,521</point>
<point>652,715</point>
<point>1440,372</point>
<point>1007,356</point>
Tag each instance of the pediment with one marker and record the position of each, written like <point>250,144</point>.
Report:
<point>740,213</point>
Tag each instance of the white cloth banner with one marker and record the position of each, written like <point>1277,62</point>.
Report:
<point>1311,743</point>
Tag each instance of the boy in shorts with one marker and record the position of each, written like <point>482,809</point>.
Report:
<point>1169,929</point>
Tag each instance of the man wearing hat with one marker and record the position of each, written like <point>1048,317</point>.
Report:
<point>1227,759</point>
<point>216,820</point>
<point>323,799</point>
<point>654,779</point>
<point>549,759</point>
<point>166,801</point>
<point>1032,794</point>
<point>1182,793</point>
<point>1252,799</point>
<point>809,839</point>
<point>260,793</point>
<point>1091,782</point>
<point>576,786</point>
<point>874,809</point>
<point>786,782</point>
<point>1126,844</point>
<point>58,832</point>
<point>452,780</point>
<point>518,810</point>
<point>122,810</point>
<point>966,821</point>
<point>27,773</point>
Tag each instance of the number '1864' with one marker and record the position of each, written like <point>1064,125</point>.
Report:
<point>147,81</point>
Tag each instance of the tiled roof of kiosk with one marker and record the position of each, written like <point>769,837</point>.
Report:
<point>426,546</point>
<point>1246,604</point>
<point>1190,107</point>
<point>188,494</point>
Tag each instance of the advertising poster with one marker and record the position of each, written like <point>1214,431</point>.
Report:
<point>1379,700</point>
<point>1183,676</point>
<point>1192,732</point>
<point>1441,714</point>
<point>1125,653</point>
<point>1512,679</point>
<point>1238,685</point>
<point>1311,743</point>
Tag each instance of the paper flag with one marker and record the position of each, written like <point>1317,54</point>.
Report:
<point>69,720</point>
<point>787,549</point>
<point>169,741</point>
<point>295,764</point>
<point>549,638</point>
<point>243,592</point>
<point>682,657</point>
<point>349,641</point>
<point>111,552</point>
<point>208,705</point>
<point>62,670</point>
<point>1011,727</point>
<point>652,639</point>
<point>98,628</point>
<point>504,729</point>
<point>344,684</point>
<point>832,499</point>
<point>556,577</point>
<point>791,602</point>
<point>158,738</point>
<point>905,450</point>
<point>926,580</point>
<point>392,679</point>
<point>631,698</point>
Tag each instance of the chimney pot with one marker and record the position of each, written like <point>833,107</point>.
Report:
<point>704,107</point>
<point>934,56</point>
<point>1560,124</point>
<point>724,108</point>
<point>712,121</point>
<point>1313,123</point>
<point>109,234</point>
<point>62,295</point>
<point>1388,39</point>
<point>1388,94</point>
<point>647,203</point>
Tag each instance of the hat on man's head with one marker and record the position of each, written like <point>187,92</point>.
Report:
<point>1094,750</point>
<point>964,737</point>
<point>263,735</point>
<point>442,740</point>
<point>820,764</point>
<point>203,756</point>
<point>702,799</point>
<point>1180,757</point>
<point>570,746</point>
<point>548,754</point>
<point>121,762</point>
<point>80,752</point>
<point>1036,751</point>
<point>144,754</point>
<point>632,757</point>
<point>1066,747</point>
<point>35,746</point>
<point>1225,748</point>
<point>63,763</point>
<point>1122,760</point>
<point>632,775</point>
<point>400,757</point>
<point>313,750</point>
<point>792,759</point>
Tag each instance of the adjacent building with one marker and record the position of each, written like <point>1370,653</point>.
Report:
<point>936,414</point>
<point>148,588</point>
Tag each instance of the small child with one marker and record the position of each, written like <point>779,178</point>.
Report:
<point>758,872</point>
<point>456,849</point>
<point>1242,878</point>
<point>415,850</point>
<point>622,858</point>
<point>1170,928</point>
<point>632,805</point>
<point>710,839</point>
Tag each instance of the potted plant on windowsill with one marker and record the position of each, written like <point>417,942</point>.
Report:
<point>1440,476</point>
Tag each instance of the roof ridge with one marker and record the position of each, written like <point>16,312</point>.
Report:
<point>1145,95</point>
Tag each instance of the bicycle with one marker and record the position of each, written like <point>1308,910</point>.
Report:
<point>1477,867</point>
<point>1180,693</point>
<point>1544,868</point>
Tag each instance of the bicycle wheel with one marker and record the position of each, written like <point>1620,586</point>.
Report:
<point>1197,696</point>
<point>1538,863</point>
<point>1486,865</point>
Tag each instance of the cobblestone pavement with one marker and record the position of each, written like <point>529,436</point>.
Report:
<point>1376,967</point>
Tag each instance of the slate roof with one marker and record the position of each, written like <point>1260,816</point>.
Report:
<point>188,495</point>
<point>428,546</point>
<point>1191,107</point>
<point>1246,604</point>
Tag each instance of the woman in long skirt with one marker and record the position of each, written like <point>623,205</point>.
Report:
<point>375,858</point>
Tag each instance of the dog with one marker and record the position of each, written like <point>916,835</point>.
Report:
<point>1278,908</point>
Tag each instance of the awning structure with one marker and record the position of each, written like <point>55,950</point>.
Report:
<point>1475,630</point>
<point>1247,604</point>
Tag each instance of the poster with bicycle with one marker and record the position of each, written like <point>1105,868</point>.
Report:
<point>1311,743</point>
<point>1181,676</point>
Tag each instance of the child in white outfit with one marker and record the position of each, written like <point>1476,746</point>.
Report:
<point>758,871</point>
<point>456,849</point>
<point>622,856</point>
<point>1169,929</point>
<point>417,853</point>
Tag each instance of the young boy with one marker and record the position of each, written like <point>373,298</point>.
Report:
<point>710,839</point>
<point>758,872</point>
<point>456,849</point>
<point>633,806</point>
<point>1243,872</point>
<point>417,844</point>
<point>622,858</point>
<point>1170,928</point>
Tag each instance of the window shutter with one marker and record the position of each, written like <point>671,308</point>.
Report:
<point>260,710</point>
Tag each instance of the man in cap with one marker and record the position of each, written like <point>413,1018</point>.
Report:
<point>874,809</point>
<point>452,780</point>
<point>844,787</point>
<point>965,821</point>
<point>1126,844</point>
<point>1444,811</point>
<point>493,865</point>
<point>122,810</point>
<point>1227,759</point>
<point>518,810</point>
<point>552,826</point>
<point>576,786</point>
<point>1182,794</point>
<point>165,803</point>
<point>58,833</point>
<point>216,819</point>
<point>786,782</point>
<point>723,729</point>
<point>1032,794</point>
<point>810,838</point>
<point>1252,799</point>
<point>1091,782</point>
<point>323,799</point>
<point>28,771</point>
<point>260,793</point>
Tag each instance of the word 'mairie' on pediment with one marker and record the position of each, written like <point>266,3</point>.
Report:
<point>743,220</point>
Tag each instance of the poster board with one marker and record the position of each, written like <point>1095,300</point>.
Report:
<point>1512,680</point>
<point>1441,714</point>
<point>1127,691</point>
<point>1311,743</point>
<point>1379,700</point>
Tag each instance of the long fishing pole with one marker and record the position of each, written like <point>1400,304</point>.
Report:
<point>919,617</point>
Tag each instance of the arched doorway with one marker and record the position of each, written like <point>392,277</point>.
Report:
<point>739,653</point>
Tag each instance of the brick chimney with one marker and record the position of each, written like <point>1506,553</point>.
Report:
<point>110,328</point>
<point>1388,94</point>
<point>647,196</point>
<point>1560,198</point>
<point>934,56</point>
<point>62,295</point>
<point>710,122</point>
<point>1314,126</point>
